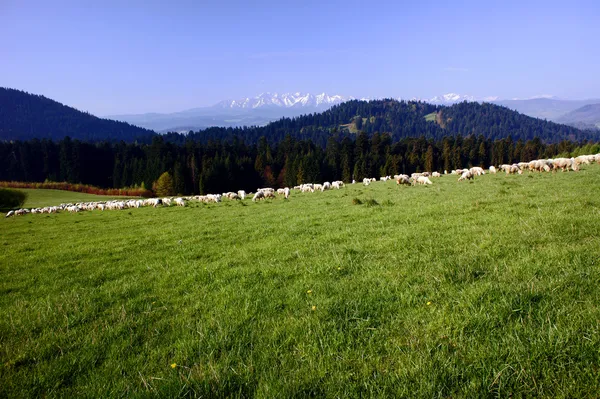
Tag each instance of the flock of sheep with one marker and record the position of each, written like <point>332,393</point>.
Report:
<point>539,165</point>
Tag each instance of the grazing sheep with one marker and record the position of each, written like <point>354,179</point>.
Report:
<point>467,175</point>
<point>179,201</point>
<point>9,214</point>
<point>366,181</point>
<point>335,185</point>
<point>318,187</point>
<point>436,174</point>
<point>477,171</point>
<point>286,192</point>
<point>403,179</point>
<point>423,180</point>
<point>492,170</point>
<point>565,164</point>
<point>326,186</point>
<point>242,194</point>
<point>259,195</point>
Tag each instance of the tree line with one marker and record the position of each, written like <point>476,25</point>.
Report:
<point>222,165</point>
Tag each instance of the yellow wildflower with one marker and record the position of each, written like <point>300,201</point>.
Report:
<point>174,365</point>
<point>314,308</point>
<point>309,292</point>
<point>428,303</point>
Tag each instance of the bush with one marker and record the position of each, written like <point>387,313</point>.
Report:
<point>10,199</point>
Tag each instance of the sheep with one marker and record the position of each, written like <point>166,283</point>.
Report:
<point>166,201</point>
<point>318,187</point>
<point>241,194</point>
<point>280,191</point>
<point>467,175</point>
<point>179,201</point>
<point>492,170</point>
<point>353,181</point>
<point>423,180</point>
<point>477,171</point>
<point>403,179</point>
<point>366,181</point>
<point>286,192</point>
<point>269,194</point>
<point>266,190</point>
<point>258,195</point>
<point>326,186</point>
<point>335,185</point>
<point>9,214</point>
<point>436,174</point>
<point>565,164</point>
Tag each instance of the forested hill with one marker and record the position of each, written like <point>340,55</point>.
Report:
<point>25,116</point>
<point>403,119</point>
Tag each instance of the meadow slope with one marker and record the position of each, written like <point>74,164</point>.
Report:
<point>479,289</point>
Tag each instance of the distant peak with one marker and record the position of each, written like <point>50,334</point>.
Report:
<point>287,100</point>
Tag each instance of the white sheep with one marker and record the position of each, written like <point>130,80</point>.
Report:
<point>466,175</point>
<point>423,180</point>
<point>241,194</point>
<point>258,195</point>
<point>179,201</point>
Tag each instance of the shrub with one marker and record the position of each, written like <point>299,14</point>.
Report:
<point>10,199</point>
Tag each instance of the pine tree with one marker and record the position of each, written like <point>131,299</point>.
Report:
<point>164,185</point>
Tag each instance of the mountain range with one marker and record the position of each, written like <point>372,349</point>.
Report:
<point>249,111</point>
<point>25,116</point>
<point>268,107</point>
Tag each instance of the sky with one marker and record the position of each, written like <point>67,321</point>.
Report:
<point>121,57</point>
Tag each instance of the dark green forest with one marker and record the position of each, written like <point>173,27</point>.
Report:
<point>401,119</point>
<point>219,166</point>
<point>25,116</point>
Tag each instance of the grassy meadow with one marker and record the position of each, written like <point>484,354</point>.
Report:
<point>38,198</point>
<point>482,289</point>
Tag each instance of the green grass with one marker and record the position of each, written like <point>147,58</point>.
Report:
<point>40,197</point>
<point>483,289</point>
<point>431,117</point>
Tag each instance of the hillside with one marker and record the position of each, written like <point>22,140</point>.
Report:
<point>587,116</point>
<point>401,120</point>
<point>25,116</point>
<point>462,290</point>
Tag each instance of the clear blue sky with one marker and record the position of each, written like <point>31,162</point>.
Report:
<point>129,56</point>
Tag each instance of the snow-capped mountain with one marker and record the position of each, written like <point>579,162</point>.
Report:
<point>450,98</point>
<point>287,100</point>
